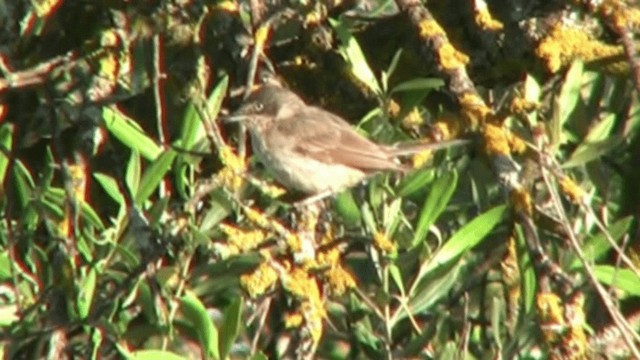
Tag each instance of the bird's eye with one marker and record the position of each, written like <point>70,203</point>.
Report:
<point>259,106</point>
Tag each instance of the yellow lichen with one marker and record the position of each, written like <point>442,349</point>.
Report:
<point>420,159</point>
<point>261,35</point>
<point>622,16</point>
<point>228,6</point>
<point>260,280</point>
<point>393,108</point>
<point>517,145</point>
<point>522,106</point>
<point>522,201</point>
<point>381,242</point>
<point>329,257</point>
<point>450,58</point>
<point>302,285</point>
<point>340,280</point>
<point>564,44</point>
<point>413,119</point>
<point>293,320</point>
<point>78,179</point>
<point>446,127</point>
<point>485,20</point>
<point>429,29</point>
<point>474,109</point>
<point>496,140</point>
<point>243,240</point>
<point>550,313</point>
<point>572,190</point>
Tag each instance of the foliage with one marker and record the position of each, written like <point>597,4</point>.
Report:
<point>136,224</point>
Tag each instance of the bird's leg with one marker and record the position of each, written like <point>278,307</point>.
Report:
<point>300,205</point>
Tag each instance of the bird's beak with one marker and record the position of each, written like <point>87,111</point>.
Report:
<point>238,116</point>
<point>235,118</point>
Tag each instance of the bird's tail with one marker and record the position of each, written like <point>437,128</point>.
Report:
<point>405,149</point>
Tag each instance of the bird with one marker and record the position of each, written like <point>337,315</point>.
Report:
<point>311,150</point>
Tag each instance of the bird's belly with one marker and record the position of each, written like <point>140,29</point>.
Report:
<point>306,174</point>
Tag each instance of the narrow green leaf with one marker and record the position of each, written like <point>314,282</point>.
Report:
<point>396,275</point>
<point>86,292</point>
<point>436,202</point>
<point>6,142</point>
<point>528,275</point>
<point>132,174</point>
<point>129,133</point>
<point>155,355</point>
<point>465,238</point>
<point>419,84</point>
<point>90,215</point>
<point>154,175</point>
<point>347,208</point>
<point>110,186</point>
<point>196,313</point>
<point>394,62</point>
<point>24,183</point>
<point>597,143</point>
<point>5,266</point>
<point>566,102</point>
<point>430,289</point>
<point>231,326</point>
<point>598,245</point>
<point>623,279</point>
<point>192,128</point>
<point>416,181</point>
<point>354,56</point>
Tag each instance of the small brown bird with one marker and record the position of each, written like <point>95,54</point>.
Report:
<point>309,149</point>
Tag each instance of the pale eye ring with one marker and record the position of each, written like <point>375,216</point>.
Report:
<point>259,106</point>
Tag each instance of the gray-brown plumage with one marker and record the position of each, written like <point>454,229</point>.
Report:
<point>312,150</point>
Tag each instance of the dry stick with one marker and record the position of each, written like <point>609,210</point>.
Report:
<point>460,83</point>
<point>263,320</point>
<point>554,168</point>
<point>158,94</point>
<point>630,51</point>
<point>618,318</point>
<point>158,79</point>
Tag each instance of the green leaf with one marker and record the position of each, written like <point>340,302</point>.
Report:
<point>192,128</point>
<point>598,245</point>
<point>5,266</point>
<point>464,239</point>
<point>353,55</point>
<point>129,133</point>
<point>347,208</point>
<point>416,181</point>
<point>110,186</point>
<point>623,279</point>
<point>154,175</point>
<point>231,327</point>
<point>436,202</point>
<point>24,183</point>
<point>195,312</point>
<point>597,143</point>
<point>132,174</point>
<point>90,215</point>
<point>419,84</point>
<point>429,289</point>
<point>154,355</point>
<point>528,275</point>
<point>396,275</point>
<point>86,292</point>
<point>6,142</point>
<point>566,102</point>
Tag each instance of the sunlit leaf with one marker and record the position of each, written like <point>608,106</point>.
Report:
<point>202,324</point>
<point>129,133</point>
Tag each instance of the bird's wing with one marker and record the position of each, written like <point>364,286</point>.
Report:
<point>325,137</point>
